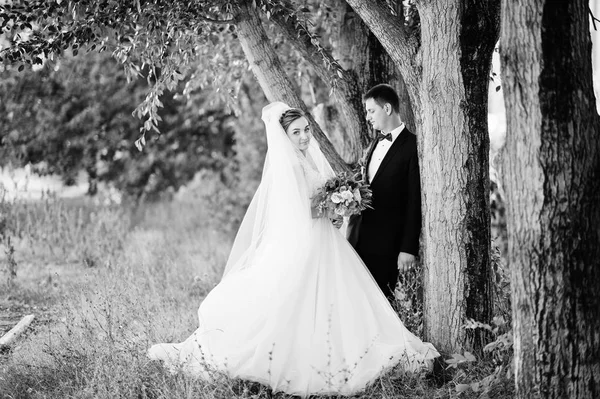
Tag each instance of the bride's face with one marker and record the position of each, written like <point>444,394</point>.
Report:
<point>299,133</point>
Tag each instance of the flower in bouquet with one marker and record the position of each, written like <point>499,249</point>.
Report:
<point>343,195</point>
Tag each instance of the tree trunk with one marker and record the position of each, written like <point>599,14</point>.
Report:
<point>351,131</point>
<point>455,168</point>
<point>364,62</point>
<point>271,76</point>
<point>380,68</point>
<point>552,166</point>
<point>447,85</point>
<point>358,50</point>
<point>595,29</point>
<point>401,46</point>
<point>406,110</point>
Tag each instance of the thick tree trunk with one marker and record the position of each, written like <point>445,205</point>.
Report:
<point>271,76</point>
<point>455,168</point>
<point>448,89</point>
<point>552,167</point>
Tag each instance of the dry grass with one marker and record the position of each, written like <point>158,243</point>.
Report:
<point>151,269</point>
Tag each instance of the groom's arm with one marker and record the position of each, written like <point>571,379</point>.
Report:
<point>353,229</point>
<point>412,217</point>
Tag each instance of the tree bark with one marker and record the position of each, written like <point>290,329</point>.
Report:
<point>271,76</point>
<point>358,50</point>
<point>447,80</point>
<point>364,62</point>
<point>8,338</point>
<point>552,166</point>
<point>401,45</point>
<point>595,31</point>
<point>455,171</point>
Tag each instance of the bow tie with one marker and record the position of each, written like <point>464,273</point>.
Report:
<point>382,136</point>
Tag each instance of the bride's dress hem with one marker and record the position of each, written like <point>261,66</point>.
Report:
<point>211,374</point>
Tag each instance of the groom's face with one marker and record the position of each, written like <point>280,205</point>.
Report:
<point>376,114</point>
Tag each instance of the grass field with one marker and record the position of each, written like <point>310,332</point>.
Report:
<point>106,282</point>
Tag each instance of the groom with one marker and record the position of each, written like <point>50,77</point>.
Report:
<point>387,236</point>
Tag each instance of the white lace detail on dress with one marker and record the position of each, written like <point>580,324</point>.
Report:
<point>314,179</point>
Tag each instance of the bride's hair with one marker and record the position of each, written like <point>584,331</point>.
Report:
<point>289,116</point>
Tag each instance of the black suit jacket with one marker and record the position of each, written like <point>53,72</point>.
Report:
<point>394,223</point>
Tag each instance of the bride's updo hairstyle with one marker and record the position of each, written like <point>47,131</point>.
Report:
<point>289,116</point>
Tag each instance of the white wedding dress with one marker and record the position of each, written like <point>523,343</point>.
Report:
<point>296,309</point>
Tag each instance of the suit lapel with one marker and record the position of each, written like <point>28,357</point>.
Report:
<point>391,152</point>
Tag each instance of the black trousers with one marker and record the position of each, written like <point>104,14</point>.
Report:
<point>384,270</point>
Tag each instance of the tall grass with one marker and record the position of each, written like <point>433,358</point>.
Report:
<point>164,258</point>
<point>65,230</point>
<point>155,263</point>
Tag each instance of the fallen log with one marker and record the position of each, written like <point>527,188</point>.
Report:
<point>8,338</point>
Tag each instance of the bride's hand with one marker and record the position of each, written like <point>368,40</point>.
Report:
<point>314,212</point>
<point>337,222</point>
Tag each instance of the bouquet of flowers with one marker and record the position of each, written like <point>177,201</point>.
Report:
<point>343,195</point>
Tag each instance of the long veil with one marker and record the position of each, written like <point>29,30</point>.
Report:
<point>278,216</point>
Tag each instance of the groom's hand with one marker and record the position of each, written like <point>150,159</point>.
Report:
<point>406,261</point>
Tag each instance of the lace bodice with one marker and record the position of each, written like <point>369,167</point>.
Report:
<point>314,179</point>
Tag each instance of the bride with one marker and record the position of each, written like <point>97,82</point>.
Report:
<point>296,309</point>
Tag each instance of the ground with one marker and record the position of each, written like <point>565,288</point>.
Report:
<point>107,283</point>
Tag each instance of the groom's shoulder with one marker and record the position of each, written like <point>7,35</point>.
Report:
<point>410,136</point>
<point>410,142</point>
<point>407,130</point>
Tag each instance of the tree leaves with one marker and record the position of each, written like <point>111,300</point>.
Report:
<point>457,359</point>
<point>165,35</point>
<point>76,115</point>
<point>141,142</point>
<point>158,33</point>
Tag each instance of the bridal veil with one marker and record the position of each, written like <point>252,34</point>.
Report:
<point>279,213</point>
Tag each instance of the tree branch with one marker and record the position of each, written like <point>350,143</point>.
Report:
<point>307,44</point>
<point>8,338</point>
<point>274,81</point>
<point>343,84</point>
<point>594,19</point>
<point>400,45</point>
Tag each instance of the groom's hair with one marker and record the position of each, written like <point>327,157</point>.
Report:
<point>383,94</point>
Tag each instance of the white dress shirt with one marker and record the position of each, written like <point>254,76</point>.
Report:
<point>381,149</point>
